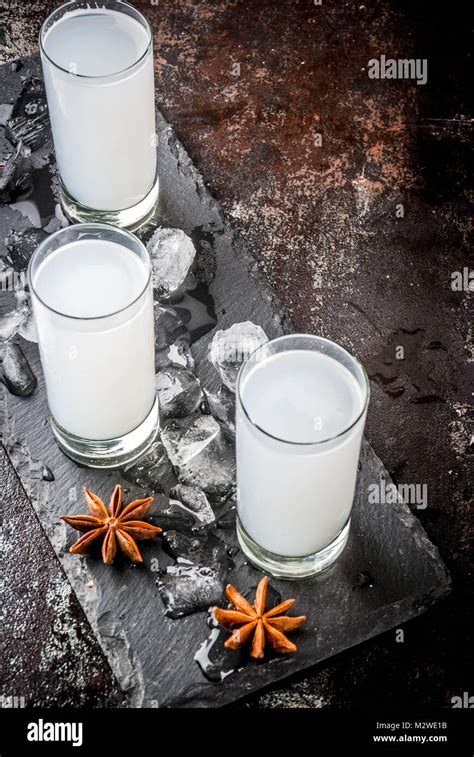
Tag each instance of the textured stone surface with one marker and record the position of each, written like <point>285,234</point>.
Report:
<point>157,666</point>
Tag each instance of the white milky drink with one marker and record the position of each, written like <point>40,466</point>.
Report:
<point>98,71</point>
<point>93,307</point>
<point>300,419</point>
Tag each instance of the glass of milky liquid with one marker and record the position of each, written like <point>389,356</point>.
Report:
<point>97,60</point>
<point>301,408</point>
<point>93,303</point>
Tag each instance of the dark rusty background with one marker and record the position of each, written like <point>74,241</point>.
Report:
<point>248,86</point>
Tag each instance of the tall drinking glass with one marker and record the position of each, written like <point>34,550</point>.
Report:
<point>301,407</point>
<point>97,60</point>
<point>93,303</point>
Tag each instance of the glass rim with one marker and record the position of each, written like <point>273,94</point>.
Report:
<point>285,337</point>
<point>84,227</point>
<point>120,4</point>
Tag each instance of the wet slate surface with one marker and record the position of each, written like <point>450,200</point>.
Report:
<point>152,655</point>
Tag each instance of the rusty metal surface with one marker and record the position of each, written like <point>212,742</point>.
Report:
<point>249,86</point>
<point>50,656</point>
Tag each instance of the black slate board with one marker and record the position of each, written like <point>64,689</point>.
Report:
<point>152,655</point>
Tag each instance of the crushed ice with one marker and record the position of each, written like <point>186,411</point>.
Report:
<point>172,253</point>
<point>231,347</point>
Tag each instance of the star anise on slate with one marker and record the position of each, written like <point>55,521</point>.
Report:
<point>114,526</point>
<point>270,626</point>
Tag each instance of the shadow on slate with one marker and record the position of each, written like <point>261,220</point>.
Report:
<point>388,573</point>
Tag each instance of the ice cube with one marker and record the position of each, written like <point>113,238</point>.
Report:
<point>162,360</point>
<point>199,550</point>
<point>187,518</point>
<point>5,112</point>
<point>15,177</point>
<point>186,588</point>
<point>20,320</point>
<point>197,579</point>
<point>230,348</point>
<point>29,120</point>
<point>176,515</point>
<point>152,471</point>
<point>180,353</point>
<point>16,371</point>
<point>9,324</point>
<point>222,407</point>
<point>201,452</point>
<point>195,501</point>
<point>179,392</point>
<point>226,512</point>
<point>168,327</point>
<point>178,544</point>
<point>27,325</point>
<point>21,245</point>
<point>172,253</point>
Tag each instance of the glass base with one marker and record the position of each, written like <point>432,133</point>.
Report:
<point>291,567</point>
<point>128,218</point>
<point>109,453</point>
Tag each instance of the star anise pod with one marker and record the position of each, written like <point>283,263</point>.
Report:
<point>114,526</point>
<point>245,620</point>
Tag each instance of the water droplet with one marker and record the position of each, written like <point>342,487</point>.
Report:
<point>364,580</point>
<point>47,474</point>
